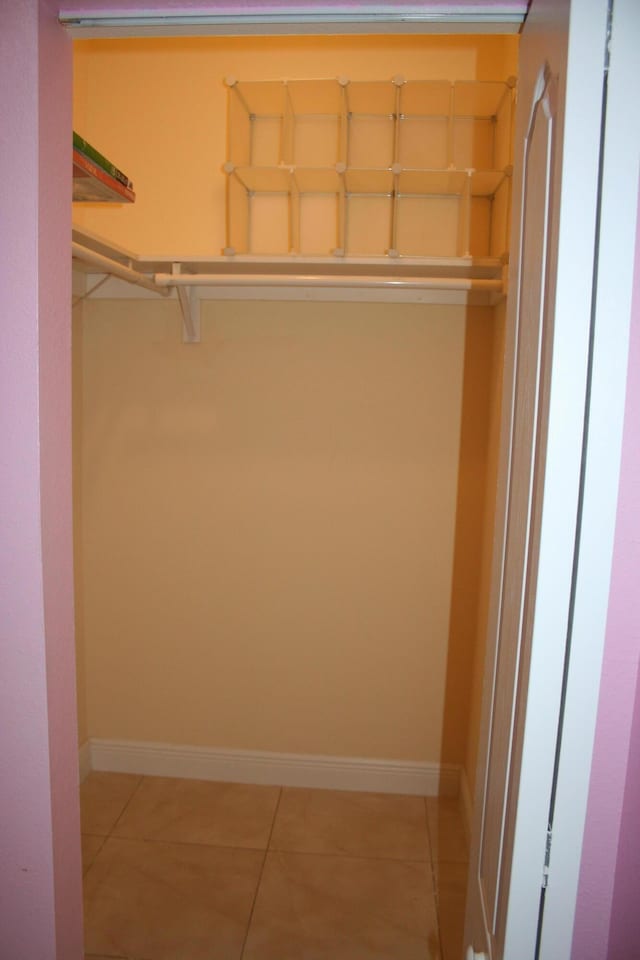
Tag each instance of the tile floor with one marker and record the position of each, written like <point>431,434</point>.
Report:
<point>196,870</point>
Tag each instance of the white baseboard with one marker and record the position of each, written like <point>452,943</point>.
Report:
<point>84,760</point>
<point>280,769</point>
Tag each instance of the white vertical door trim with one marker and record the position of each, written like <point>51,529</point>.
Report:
<point>576,209</point>
<point>537,160</point>
<point>522,514</point>
<point>602,472</point>
<point>571,34</point>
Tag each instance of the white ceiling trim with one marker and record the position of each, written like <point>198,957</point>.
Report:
<point>277,19</point>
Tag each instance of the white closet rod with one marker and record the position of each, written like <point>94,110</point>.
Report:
<point>269,280</point>
<point>161,282</point>
<point>106,265</point>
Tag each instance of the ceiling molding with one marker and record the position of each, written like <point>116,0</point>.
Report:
<point>122,19</point>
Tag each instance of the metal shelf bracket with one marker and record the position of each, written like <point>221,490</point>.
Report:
<point>190,307</point>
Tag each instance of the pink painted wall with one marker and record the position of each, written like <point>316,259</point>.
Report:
<point>607,921</point>
<point>40,898</point>
<point>40,895</point>
<point>624,928</point>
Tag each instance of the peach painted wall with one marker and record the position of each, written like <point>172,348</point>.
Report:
<point>40,900</point>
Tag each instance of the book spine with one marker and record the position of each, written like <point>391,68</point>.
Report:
<point>82,146</point>
<point>87,167</point>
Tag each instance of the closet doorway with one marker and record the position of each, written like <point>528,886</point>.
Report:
<point>351,507</point>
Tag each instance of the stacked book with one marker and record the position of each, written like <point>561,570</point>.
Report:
<point>97,179</point>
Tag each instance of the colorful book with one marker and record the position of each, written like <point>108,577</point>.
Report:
<point>84,147</point>
<point>92,183</point>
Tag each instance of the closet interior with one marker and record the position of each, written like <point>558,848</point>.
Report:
<point>287,364</point>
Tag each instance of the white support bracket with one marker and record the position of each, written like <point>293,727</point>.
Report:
<point>190,306</point>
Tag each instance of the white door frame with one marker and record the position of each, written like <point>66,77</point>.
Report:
<point>585,594</point>
<point>564,49</point>
<point>610,352</point>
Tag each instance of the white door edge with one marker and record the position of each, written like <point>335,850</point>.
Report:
<point>615,275</point>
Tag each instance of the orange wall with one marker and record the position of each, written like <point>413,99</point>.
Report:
<point>158,109</point>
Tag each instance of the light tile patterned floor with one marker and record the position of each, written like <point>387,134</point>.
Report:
<point>194,870</point>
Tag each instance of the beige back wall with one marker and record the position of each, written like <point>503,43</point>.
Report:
<point>268,524</point>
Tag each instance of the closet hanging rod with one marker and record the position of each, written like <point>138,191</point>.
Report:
<point>106,265</point>
<point>167,280</point>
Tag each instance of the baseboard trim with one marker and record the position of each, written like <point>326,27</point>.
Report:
<point>283,769</point>
<point>84,760</point>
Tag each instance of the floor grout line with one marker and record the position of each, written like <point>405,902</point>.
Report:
<point>126,806</point>
<point>260,875</point>
<point>189,843</point>
<point>429,864</point>
<point>436,898</point>
<point>108,835</point>
<point>96,854</point>
<point>349,856</point>
<point>294,853</point>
